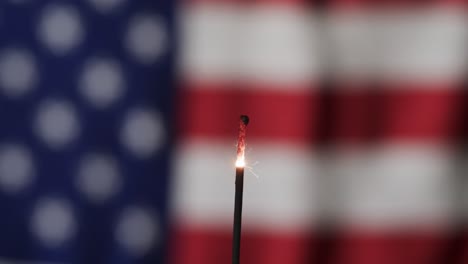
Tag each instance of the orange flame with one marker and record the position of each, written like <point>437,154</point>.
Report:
<point>240,163</point>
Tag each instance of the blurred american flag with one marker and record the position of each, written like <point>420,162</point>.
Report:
<point>356,146</point>
<point>85,102</point>
<point>358,124</point>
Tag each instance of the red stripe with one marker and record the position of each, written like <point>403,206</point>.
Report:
<point>210,112</point>
<point>209,246</point>
<point>398,112</point>
<point>205,246</point>
<point>404,247</point>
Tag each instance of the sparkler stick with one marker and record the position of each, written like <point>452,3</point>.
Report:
<point>240,164</point>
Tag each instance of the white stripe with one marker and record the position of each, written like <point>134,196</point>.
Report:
<point>386,187</point>
<point>268,43</point>
<point>282,196</point>
<point>418,45</point>
<point>288,45</point>
<point>209,44</point>
<point>279,45</point>
<point>395,186</point>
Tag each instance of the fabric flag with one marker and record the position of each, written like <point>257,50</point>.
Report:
<point>85,114</point>
<point>356,142</point>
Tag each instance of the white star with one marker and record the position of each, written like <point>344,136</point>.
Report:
<point>137,231</point>
<point>18,72</point>
<point>16,168</point>
<point>98,177</point>
<point>56,123</point>
<point>143,132</point>
<point>52,222</point>
<point>146,38</point>
<point>60,28</point>
<point>102,82</point>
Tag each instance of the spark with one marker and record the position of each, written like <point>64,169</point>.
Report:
<point>251,170</point>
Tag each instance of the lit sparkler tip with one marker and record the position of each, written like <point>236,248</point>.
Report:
<point>240,163</point>
<point>245,119</point>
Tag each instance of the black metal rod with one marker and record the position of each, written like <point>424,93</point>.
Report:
<point>236,238</point>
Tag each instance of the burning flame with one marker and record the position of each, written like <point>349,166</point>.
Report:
<point>240,162</point>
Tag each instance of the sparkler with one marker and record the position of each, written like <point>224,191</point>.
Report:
<point>240,165</point>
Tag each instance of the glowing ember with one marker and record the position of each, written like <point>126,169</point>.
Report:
<point>240,162</point>
<point>244,121</point>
